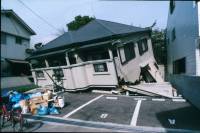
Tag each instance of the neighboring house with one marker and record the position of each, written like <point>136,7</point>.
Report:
<point>183,48</point>
<point>15,39</point>
<point>183,31</point>
<point>99,54</point>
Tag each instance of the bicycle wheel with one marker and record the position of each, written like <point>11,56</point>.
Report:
<point>17,122</point>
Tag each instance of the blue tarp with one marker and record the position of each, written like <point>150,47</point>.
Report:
<point>42,110</point>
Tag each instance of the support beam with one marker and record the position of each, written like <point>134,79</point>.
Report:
<point>67,59</point>
<point>46,62</point>
<point>110,53</point>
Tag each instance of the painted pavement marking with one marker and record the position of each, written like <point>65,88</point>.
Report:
<point>74,111</point>
<point>158,99</point>
<point>103,116</point>
<point>179,100</point>
<point>136,113</point>
<point>112,98</point>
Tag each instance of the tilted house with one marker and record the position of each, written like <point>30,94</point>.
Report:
<point>99,54</point>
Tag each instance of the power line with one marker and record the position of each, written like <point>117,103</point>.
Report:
<point>52,26</point>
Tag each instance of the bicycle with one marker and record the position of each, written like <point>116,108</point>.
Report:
<point>14,115</point>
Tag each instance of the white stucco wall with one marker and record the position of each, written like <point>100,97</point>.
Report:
<point>131,70</point>
<point>82,75</point>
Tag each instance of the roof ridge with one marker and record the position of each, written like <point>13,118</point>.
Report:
<point>121,23</point>
<point>97,20</point>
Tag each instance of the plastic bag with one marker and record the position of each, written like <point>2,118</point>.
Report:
<point>15,97</point>
<point>42,110</point>
<point>53,111</point>
<point>17,105</point>
<point>26,96</point>
<point>38,94</point>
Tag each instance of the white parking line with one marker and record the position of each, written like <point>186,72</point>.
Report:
<point>113,98</point>
<point>158,99</point>
<point>72,112</point>
<point>179,100</point>
<point>103,116</point>
<point>140,99</point>
<point>136,113</point>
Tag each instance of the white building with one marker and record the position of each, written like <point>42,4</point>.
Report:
<point>183,31</point>
<point>99,54</point>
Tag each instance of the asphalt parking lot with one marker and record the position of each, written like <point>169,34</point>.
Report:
<point>123,113</point>
<point>130,110</point>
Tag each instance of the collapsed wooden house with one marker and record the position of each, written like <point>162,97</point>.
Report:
<point>100,54</point>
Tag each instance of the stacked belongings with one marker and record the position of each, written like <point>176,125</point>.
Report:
<point>40,103</point>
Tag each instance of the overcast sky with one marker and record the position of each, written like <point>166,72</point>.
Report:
<point>60,12</point>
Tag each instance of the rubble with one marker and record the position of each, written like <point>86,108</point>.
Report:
<point>152,89</point>
<point>40,103</point>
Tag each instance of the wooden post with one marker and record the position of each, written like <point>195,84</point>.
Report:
<point>110,53</point>
<point>46,62</point>
<point>67,59</point>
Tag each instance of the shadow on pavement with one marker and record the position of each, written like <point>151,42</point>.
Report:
<point>32,126</point>
<point>181,118</point>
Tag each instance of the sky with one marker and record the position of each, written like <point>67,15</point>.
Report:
<point>56,14</point>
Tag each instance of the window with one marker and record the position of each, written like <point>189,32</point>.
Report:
<point>18,40</point>
<point>114,52</point>
<point>58,73</point>
<point>142,46</point>
<point>38,63</point>
<point>57,61</point>
<point>127,52</point>
<point>96,54</point>
<point>173,35</point>
<point>179,66</point>
<point>172,5</point>
<point>101,67</point>
<point>3,38</point>
<point>39,74</point>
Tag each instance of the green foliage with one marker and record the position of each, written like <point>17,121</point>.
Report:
<point>79,22</point>
<point>25,88</point>
<point>159,46</point>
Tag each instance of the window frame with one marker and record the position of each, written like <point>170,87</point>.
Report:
<point>3,38</point>
<point>173,34</point>
<point>36,73</point>
<point>129,52</point>
<point>172,5</point>
<point>179,66</point>
<point>96,69</point>
<point>18,40</point>
<point>141,43</point>
<point>60,71</point>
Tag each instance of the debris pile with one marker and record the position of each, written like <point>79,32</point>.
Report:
<point>40,103</point>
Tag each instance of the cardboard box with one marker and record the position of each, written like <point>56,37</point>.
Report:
<point>46,96</point>
<point>33,108</point>
<point>23,103</point>
<point>36,100</point>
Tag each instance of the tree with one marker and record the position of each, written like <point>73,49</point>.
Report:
<point>79,22</point>
<point>159,46</point>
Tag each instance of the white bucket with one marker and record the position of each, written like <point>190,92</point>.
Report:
<point>25,110</point>
<point>61,102</point>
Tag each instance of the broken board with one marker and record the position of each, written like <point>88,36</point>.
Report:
<point>152,89</point>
